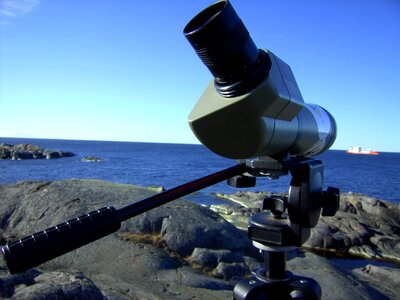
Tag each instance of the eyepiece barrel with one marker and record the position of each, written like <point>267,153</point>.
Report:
<point>226,48</point>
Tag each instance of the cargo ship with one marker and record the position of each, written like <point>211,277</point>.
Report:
<point>358,150</point>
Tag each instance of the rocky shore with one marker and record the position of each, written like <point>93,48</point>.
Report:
<point>185,251</point>
<point>363,227</point>
<point>29,151</point>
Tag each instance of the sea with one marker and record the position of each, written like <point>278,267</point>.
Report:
<point>170,165</point>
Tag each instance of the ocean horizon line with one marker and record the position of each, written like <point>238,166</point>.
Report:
<point>143,142</point>
<point>99,140</point>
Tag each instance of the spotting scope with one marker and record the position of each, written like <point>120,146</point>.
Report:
<point>253,106</point>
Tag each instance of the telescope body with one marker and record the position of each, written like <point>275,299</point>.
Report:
<point>270,120</point>
<point>253,106</point>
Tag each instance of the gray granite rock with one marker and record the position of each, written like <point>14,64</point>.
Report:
<point>177,251</point>
<point>49,285</point>
<point>142,260</point>
<point>385,279</point>
<point>29,151</point>
<point>364,226</point>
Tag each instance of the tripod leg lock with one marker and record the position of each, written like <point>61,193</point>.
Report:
<point>331,201</point>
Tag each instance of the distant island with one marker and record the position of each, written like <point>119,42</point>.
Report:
<point>29,151</point>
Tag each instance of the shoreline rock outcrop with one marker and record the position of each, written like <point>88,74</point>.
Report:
<point>363,227</point>
<point>177,251</point>
<point>29,151</point>
<point>91,159</point>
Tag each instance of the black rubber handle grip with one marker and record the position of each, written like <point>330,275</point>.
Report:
<point>45,245</point>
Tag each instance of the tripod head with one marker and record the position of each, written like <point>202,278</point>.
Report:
<point>284,224</point>
<point>302,207</point>
<point>286,221</point>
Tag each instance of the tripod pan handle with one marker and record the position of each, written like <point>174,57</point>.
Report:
<point>45,245</point>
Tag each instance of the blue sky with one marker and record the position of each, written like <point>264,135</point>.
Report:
<point>122,70</point>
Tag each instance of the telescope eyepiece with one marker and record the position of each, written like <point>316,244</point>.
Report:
<point>226,48</point>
